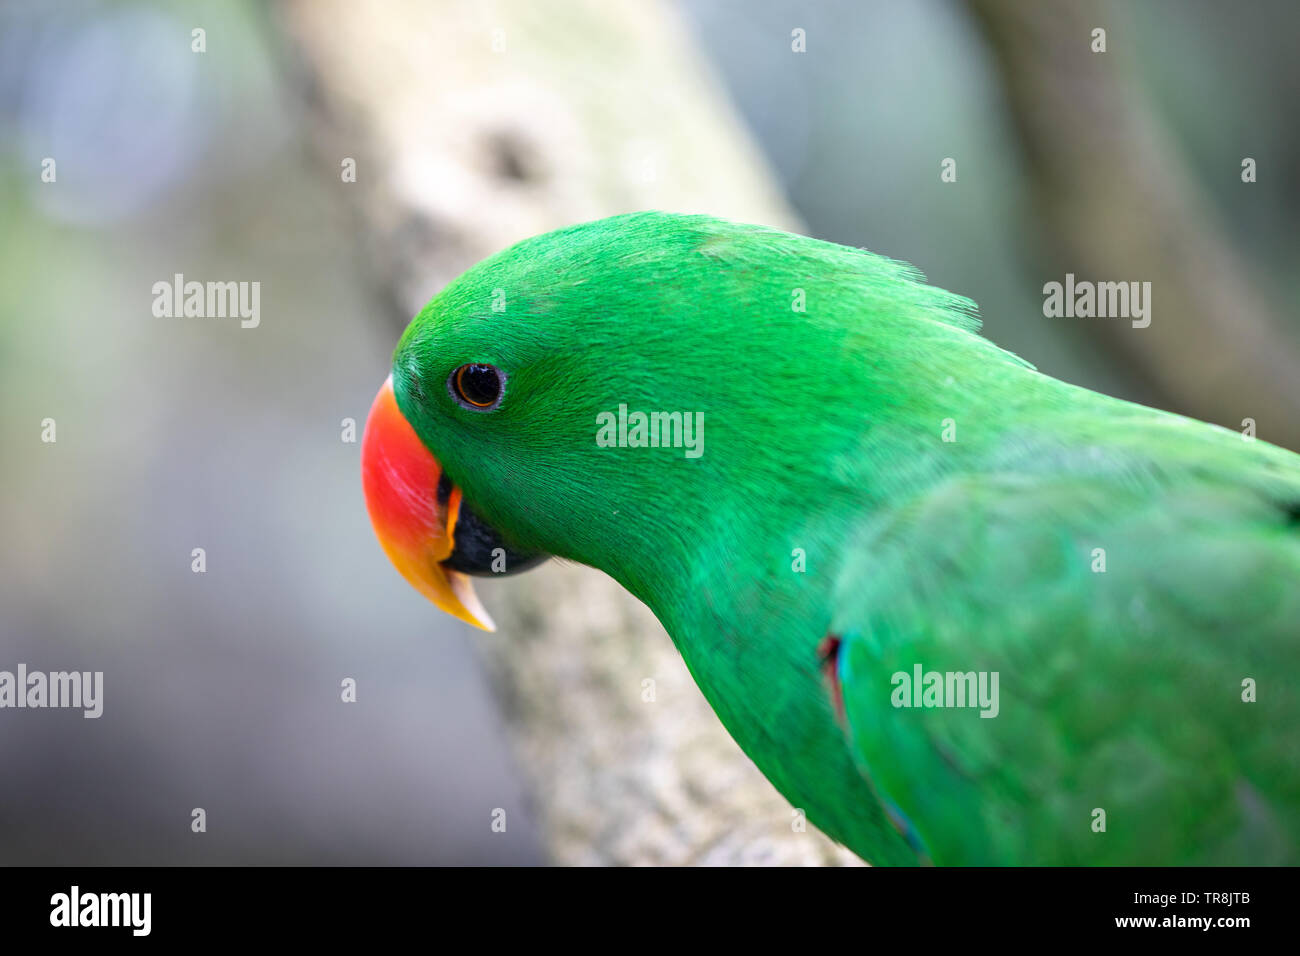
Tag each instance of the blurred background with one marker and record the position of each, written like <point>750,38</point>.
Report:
<point>471,126</point>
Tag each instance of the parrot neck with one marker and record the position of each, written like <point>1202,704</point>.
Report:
<point>751,627</point>
<point>746,584</point>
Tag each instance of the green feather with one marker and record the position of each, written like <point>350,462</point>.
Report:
<point>824,436</point>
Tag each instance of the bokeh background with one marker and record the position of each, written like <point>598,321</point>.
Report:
<point>222,689</point>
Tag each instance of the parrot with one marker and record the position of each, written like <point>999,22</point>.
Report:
<point>957,611</point>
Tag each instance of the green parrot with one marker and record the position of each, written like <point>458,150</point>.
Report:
<point>957,611</point>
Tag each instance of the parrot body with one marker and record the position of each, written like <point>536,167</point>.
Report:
<point>884,498</point>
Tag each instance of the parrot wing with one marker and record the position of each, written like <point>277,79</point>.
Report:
<point>1131,617</point>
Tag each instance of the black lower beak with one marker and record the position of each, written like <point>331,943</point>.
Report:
<point>478,549</point>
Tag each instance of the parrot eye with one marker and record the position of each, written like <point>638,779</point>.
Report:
<point>477,386</point>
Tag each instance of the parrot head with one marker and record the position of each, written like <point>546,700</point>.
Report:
<point>654,395</point>
<point>432,536</point>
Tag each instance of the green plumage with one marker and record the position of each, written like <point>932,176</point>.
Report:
<point>824,438</point>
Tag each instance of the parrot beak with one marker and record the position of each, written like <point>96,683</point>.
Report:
<point>414,510</point>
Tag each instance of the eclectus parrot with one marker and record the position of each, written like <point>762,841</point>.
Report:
<point>958,611</point>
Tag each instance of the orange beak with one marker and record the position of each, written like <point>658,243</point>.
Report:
<point>401,480</point>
